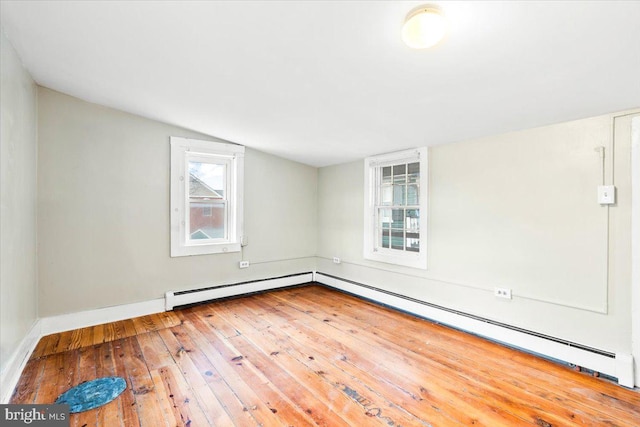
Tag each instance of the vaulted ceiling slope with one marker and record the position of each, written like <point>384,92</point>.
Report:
<point>326,82</point>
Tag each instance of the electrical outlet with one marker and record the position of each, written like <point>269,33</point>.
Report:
<point>502,292</point>
<point>336,260</point>
<point>244,264</point>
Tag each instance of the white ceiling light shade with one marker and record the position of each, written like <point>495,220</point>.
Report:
<point>424,27</point>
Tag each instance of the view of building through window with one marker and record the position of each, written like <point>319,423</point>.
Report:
<point>207,203</point>
<point>398,209</point>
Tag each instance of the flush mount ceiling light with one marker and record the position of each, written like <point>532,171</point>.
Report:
<point>424,27</point>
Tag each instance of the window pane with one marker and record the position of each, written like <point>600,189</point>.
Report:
<point>413,242</point>
<point>413,172</point>
<point>206,180</point>
<point>413,219</point>
<point>399,174</point>
<point>386,193</point>
<point>384,238</point>
<point>206,219</point>
<point>412,194</point>
<point>397,239</point>
<point>398,218</point>
<point>386,175</point>
<point>207,204</point>
<point>399,195</point>
<point>384,218</point>
<point>397,231</point>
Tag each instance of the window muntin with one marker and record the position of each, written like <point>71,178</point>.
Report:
<point>206,197</point>
<point>395,227</point>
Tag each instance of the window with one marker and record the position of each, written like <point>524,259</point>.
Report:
<point>206,197</point>
<point>395,208</point>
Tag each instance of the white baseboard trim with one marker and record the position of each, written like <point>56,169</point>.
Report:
<point>620,366</point>
<point>82,319</point>
<point>175,299</point>
<point>18,360</point>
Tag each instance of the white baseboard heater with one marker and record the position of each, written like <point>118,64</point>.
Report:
<point>619,366</point>
<point>195,296</point>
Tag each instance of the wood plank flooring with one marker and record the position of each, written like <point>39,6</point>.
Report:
<point>313,356</point>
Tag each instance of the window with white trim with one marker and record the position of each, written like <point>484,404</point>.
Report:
<point>396,207</point>
<point>206,197</point>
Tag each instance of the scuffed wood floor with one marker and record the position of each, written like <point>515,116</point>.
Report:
<point>313,356</point>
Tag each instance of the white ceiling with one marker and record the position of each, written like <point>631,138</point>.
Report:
<point>328,82</point>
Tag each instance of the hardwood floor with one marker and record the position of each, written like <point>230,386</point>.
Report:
<point>313,356</point>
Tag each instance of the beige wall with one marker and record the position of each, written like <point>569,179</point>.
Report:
<point>103,211</point>
<point>18,278</point>
<point>517,211</point>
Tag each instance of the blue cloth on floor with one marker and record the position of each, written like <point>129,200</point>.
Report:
<point>92,394</point>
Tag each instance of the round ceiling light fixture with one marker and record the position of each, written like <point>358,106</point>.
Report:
<point>424,27</point>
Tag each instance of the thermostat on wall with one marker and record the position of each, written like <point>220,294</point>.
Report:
<point>606,194</point>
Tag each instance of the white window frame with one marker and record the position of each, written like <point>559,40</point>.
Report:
<point>182,150</point>
<point>372,167</point>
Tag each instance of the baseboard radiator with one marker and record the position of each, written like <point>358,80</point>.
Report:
<point>618,366</point>
<point>208,293</point>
